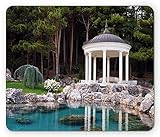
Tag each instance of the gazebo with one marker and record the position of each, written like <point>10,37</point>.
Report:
<point>105,46</point>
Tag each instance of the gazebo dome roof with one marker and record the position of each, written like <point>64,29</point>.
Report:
<point>106,37</point>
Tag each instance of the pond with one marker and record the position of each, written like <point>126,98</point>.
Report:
<point>71,118</point>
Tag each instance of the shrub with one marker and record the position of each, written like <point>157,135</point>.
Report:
<point>30,75</point>
<point>19,72</point>
<point>51,85</point>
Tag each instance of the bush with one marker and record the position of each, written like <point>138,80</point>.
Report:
<point>30,75</point>
<point>19,73</point>
<point>52,85</point>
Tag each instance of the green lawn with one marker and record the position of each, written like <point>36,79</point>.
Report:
<point>39,90</point>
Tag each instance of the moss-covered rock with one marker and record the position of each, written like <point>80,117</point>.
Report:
<point>72,120</point>
<point>24,120</point>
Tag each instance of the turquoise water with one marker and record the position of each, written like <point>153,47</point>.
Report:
<point>50,121</point>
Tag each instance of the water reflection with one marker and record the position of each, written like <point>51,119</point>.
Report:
<point>105,118</point>
<point>46,116</point>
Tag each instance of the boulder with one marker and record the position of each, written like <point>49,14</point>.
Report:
<point>151,112</point>
<point>146,120</point>
<point>60,100</point>
<point>75,95</point>
<point>128,100</point>
<point>146,103</point>
<point>115,98</point>
<point>72,120</point>
<point>9,75</point>
<point>14,96</point>
<point>42,98</point>
<point>24,121</point>
<point>133,90</point>
<point>31,97</point>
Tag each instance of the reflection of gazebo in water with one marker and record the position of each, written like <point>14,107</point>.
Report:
<point>91,112</point>
<point>105,46</point>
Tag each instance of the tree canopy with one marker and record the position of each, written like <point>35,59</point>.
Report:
<point>36,32</point>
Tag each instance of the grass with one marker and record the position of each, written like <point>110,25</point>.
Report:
<point>39,90</point>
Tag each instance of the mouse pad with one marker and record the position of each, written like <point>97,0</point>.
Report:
<point>79,68</point>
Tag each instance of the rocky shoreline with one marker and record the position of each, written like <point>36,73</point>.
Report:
<point>132,96</point>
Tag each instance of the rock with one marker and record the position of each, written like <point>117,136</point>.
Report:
<point>73,104</point>
<point>115,98</point>
<point>50,94</point>
<point>146,120</point>
<point>8,72</point>
<point>146,103</point>
<point>128,100</point>
<point>42,98</point>
<point>60,100</point>
<point>106,98</point>
<point>72,120</point>
<point>144,92</point>
<point>151,112</point>
<point>75,95</point>
<point>137,101</point>
<point>133,90</point>
<point>14,96</point>
<point>67,81</point>
<point>9,75</point>
<point>144,83</point>
<point>24,121</point>
<point>31,97</point>
<point>90,87</point>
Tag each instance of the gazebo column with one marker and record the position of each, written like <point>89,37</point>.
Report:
<point>90,66</point>
<point>94,69</point>
<point>108,68</point>
<point>127,67</point>
<point>86,67</point>
<point>104,67</point>
<point>120,66</point>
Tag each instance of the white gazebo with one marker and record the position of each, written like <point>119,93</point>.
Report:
<point>105,46</point>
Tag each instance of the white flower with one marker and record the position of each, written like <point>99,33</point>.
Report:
<point>51,85</point>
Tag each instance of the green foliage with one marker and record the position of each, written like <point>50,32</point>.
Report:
<point>32,77</point>
<point>19,72</point>
<point>142,54</point>
<point>19,85</point>
<point>142,37</point>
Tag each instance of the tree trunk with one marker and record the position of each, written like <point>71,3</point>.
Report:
<point>58,44</point>
<point>48,64</point>
<point>77,51</point>
<point>64,48</point>
<point>41,62</point>
<point>87,34</point>
<point>53,62</point>
<point>34,58</point>
<point>71,49</point>
<point>27,57</point>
